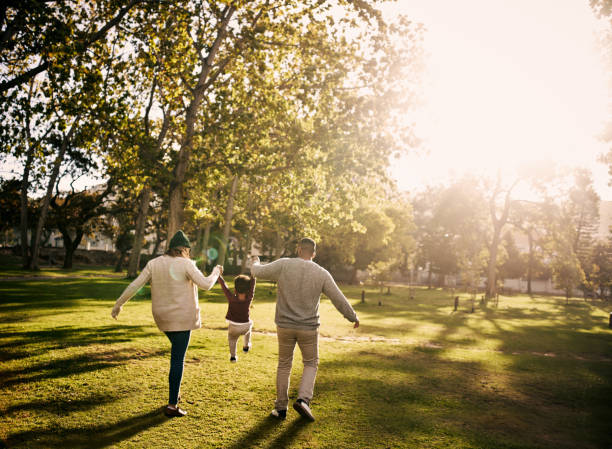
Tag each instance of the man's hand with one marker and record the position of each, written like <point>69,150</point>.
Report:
<point>219,268</point>
<point>254,259</point>
<point>356,325</point>
<point>115,312</point>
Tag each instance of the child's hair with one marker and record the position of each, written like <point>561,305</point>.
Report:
<point>242,283</point>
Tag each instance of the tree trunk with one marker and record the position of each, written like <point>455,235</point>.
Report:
<point>68,256</point>
<point>429,277</point>
<point>119,264</point>
<point>278,246</point>
<point>175,211</point>
<point>354,277</point>
<point>205,241</point>
<point>71,248</point>
<point>33,264</point>
<point>158,240</point>
<point>199,247</point>
<point>492,269</point>
<point>498,225</point>
<point>247,248</point>
<point>227,225</point>
<point>23,219</point>
<point>25,181</point>
<point>141,221</point>
<point>530,263</point>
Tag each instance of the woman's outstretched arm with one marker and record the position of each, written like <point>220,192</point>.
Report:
<point>130,290</point>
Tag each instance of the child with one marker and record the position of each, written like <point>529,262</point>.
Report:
<point>239,321</point>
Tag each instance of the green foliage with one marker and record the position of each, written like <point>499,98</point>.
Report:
<point>513,264</point>
<point>9,203</point>
<point>567,272</point>
<point>451,228</point>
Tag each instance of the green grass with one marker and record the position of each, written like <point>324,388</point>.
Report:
<point>529,373</point>
<point>10,267</point>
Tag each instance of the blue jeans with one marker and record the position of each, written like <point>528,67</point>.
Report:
<point>179,341</point>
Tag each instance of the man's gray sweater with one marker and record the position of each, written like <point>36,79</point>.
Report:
<point>300,284</point>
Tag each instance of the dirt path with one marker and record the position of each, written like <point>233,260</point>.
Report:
<point>434,345</point>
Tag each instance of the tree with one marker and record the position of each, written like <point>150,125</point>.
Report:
<point>259,25</point>
<point>514,264</point>
<point>38,36</point>
<point>59,116</point>
<point>9,204</point>
<point>78,214</point>
<point>567,272</point>
<point>600,279</point>
<point>450,228</point>
<point>380,272</point>
<point>536,220</point>
<point>582,210</point>
<point>500,201</point>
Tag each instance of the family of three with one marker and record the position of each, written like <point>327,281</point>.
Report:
<point>175,279</point>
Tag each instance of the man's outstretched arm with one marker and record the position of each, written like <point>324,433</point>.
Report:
<point>270,271</point>
<point>339,301</point>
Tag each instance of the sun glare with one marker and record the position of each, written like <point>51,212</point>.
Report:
<point>507,82</point>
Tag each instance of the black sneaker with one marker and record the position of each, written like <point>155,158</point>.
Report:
<point>303,408</point>
<point>278,414</point>
<point>233,359</point>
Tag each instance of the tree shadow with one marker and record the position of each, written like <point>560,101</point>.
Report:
<point>12,344</point>
<point>77,364</point>
<point>267,426</point>
<point>93,437</point>
<point>61,405</point>
<point>420,395</point>
<point>289,434</point>
<point>257,433</point>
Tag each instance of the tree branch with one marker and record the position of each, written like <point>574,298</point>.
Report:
<point>43,66</point>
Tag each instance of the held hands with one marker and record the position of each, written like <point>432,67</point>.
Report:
<point>219,268</point>
<point>254,259</point>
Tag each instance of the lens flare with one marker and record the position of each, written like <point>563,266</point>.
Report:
<point>212,253</point>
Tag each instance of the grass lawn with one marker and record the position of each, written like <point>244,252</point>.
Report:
<point>529,373</point>
<point>10,267</point>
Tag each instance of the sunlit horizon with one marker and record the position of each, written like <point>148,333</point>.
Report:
<point>507,83</point>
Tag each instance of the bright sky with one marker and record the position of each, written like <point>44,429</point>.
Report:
<point>508,81</point>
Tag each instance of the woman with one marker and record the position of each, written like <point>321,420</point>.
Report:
<point>174,299</point>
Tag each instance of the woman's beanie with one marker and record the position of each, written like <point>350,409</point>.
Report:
<point>179,239</point>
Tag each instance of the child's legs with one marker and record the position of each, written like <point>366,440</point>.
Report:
<point>247,337</point>
<point>232,338</point>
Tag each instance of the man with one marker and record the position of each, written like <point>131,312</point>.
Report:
<point>300,284</point>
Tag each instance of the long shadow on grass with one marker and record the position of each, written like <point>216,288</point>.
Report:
<point>77,364</point>
<point>87,437</point>
<point>401,398</point>
<point>61,405</point>
<point>262,431</point>
<point>17,345</point>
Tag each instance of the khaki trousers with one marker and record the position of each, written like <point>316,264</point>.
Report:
<point>234,331</point>
<point>308,342</point>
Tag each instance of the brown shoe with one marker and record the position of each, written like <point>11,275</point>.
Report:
<point>174,412</point>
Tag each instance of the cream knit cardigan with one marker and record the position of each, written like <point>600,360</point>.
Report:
<point>174,291</point>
